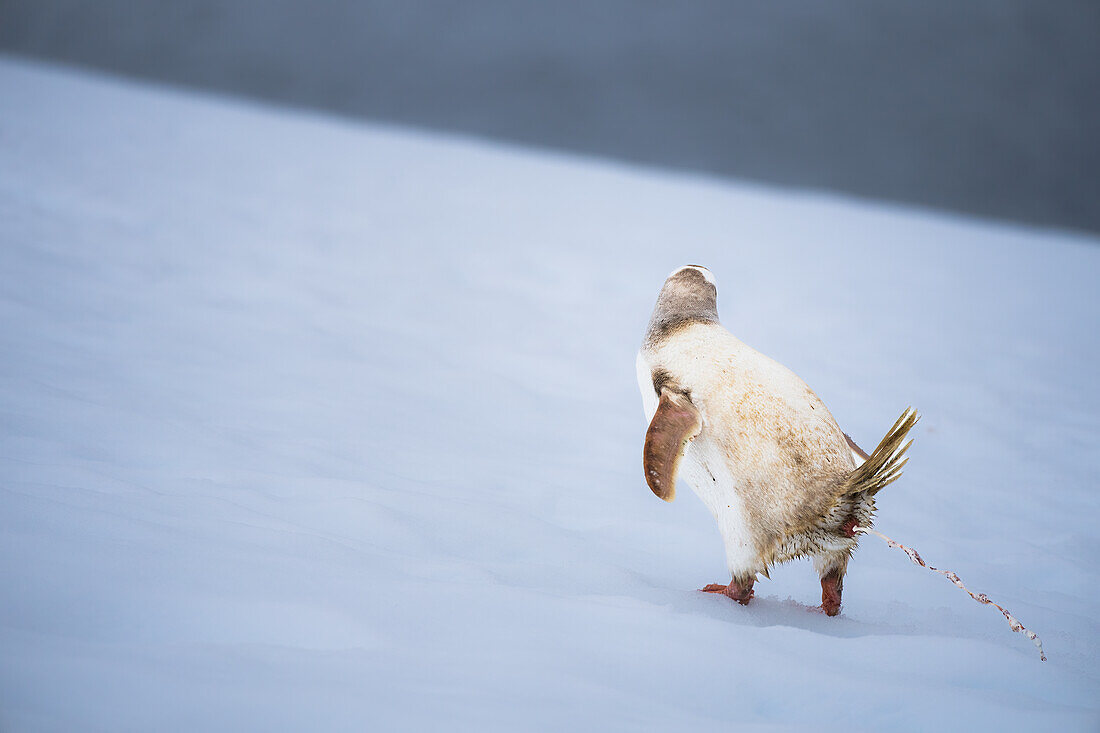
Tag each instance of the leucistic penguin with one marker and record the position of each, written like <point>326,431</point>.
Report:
<point>755,444</point>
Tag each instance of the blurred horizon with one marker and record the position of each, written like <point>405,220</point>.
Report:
<point>988,109</point>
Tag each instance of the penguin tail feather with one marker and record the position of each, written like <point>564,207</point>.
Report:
<point>884,465</point>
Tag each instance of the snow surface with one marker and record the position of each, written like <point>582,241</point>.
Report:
<point>311,425</point>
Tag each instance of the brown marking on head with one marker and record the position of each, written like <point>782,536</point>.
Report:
<point>688,296</point>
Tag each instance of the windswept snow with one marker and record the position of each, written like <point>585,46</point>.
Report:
<point>307,425</point>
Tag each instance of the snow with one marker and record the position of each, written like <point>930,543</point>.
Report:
<point>312,425</point>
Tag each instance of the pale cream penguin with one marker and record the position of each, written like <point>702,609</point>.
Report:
<point>755,443</point>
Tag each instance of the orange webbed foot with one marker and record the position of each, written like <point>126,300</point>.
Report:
<point>740,592</point>
<point>832,585</point>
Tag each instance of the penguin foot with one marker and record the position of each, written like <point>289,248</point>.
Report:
<point>742,593</point>
<point>832,584</point>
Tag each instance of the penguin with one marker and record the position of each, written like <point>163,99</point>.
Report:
<point>755,443</point>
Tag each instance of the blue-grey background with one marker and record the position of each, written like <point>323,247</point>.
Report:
<point>989,107</point>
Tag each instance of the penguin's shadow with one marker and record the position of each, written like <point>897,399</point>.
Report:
<point>767,611</point>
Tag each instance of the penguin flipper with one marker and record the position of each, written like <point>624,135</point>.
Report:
<point>675,424</point>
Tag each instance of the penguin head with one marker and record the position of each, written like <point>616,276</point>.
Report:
<point>690,290</point>
<point>689,295</point>
<point>690,271</point>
